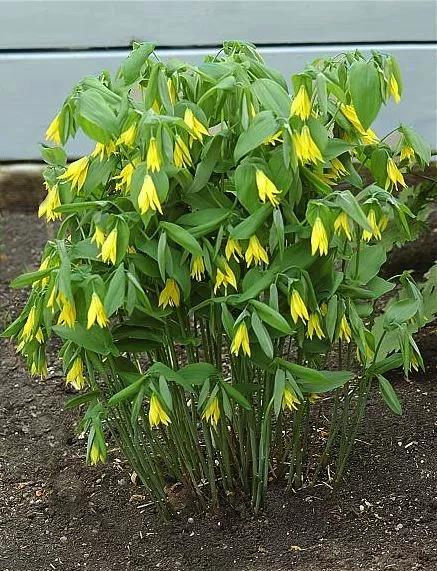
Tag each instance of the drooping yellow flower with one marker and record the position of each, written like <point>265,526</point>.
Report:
<point>306,149</point>
<point>367,136</point>
<point>67,315</point>
<point>101,150</point>
<point>319,238</point>
<point>96,312</point>
<point>197,268</point>
<point>301,105</point>
<point>128,137</point>
<point>212,412</point>
<point>39,366</point>
<point>52,299</point>
<point>394,88</point>
<point>224,279</point>
<point>96,455</point>
<point>394,175</point>
<point>156,106</point>
<point>343,224</point>
<point>170,295</point>
<point>255,252</point>
<point>266,188</point>
<point>367,355</point>
<point>345,330</point>
<point>50,203</point>
<point>289,400</point>
<point>44,265</point>
<point>153,161</point>
<point>75,376</point>
<point>125,177</point>
<point>181,154</point>
<point>198,130</point>
<point>273,139</point>
<point>233,249</point>
<point>338,168</point>
<point>314,327</point>
<point>383,222</point>
<point>148,197</point>
<point>39,335</point>
<point>98,237</point>
<point>171,91</point>
<point>313,397</point>
<point>30,325</point>
<point>376,232</point>
<point>407,153</point>
<point>76,173</point>
<point>53,132</point>
<point>298,308</point>
<point>109,247</point>
<point>241,340</point>
<point>157,414</point>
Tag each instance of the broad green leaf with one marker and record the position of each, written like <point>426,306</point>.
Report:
<point>250,225</point>
<point>400,312</point>
<point>262,335</point>
<point>94,339</point>
<point>114,297</point>
<point>127,393</point>
<point>271,317</point>
<point>261,128</point>
<point>29,278</point>
<point>235,395</point>
<point>183,238</point>
<point>272,96</point>
<point>82,399</point>
<point>365,91</point>
<point>389,395</point>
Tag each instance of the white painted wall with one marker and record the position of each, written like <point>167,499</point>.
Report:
<point>42,51</point>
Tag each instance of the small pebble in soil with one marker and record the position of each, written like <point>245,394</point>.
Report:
<point>190,520</point>
<point>63,539</point>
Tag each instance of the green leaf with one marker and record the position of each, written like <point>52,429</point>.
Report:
<point>250,225</point>
<point>365,91</point>
<point>389,396</point>
<point>54,155</point>
<point>278,391</point>
<point>400,312</point>
<point>183,238</point>
<point>272,96</point>
<point>29,278</point>
<point>261,128</point>
<point>114,297</point>
<point>271,317</point>
<point>197,373</point>
<point>94,339</point>
<point>235,395</point>
<point>126,393</point>
<point>312,381</point>
<point>96,117</point>
<point>420,146</point>
<point>349,204</point>
<point>130,69</point>
<point>81,399</point>
<point>262,335</point>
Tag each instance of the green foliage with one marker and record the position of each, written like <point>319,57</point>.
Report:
<point>217,250</point>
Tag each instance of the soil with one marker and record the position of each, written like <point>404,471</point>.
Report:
<point>56,513</point>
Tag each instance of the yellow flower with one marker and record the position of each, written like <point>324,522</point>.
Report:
<point>383,221</point>
<point>30,325</point>
<point>394,88</point>
<point>53,131</point>
<point>241,340</point>
<point>76,173</point>
<point>376,232</point>
<point>39,336</point>
<point>195,125</point>
<point>128,137</point>
<point>289,400</point>
<point>171,91</point>
<point>342,223</point>
<point>368,353</point>
<point>224,279</point>
<point>181,154</point>
<point>50,203</point>
<point>394,175</point>
<point>314,326</point>
<point>255,252</point>
<point>233,248</point>
<point>301,105</point>
<point>170,295</point>
<point>75,376</point>
<point>157,414</point>
<point>153,161</point>
<point>67,315</point>
<point>298,307</point>
<point>197,268</point>
<point>212,412</point>
<point>39,367</point>
<point>109,247</point>
<point>338,168</point>
<point>275,138</point>
<point>306,149</point>
<point>407,153</point>
<point>266,188</point>
<point>148,197</point>
<point>367,136</point>
<point>98,237</point>
<point>125,177</point>
<point>313,397</point>
<point>156,106</point>
<point>102,151</point>
<point>319,238</point>
<point>96,312</point>
<point>95,455</point>
<point>345,330</point>
<point>52,298</point>
<point>44,265</point>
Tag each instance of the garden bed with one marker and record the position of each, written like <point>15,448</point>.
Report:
<point>56,513</point>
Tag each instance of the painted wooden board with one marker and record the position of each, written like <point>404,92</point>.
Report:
<point>99,23</point>
<point>34,85</point>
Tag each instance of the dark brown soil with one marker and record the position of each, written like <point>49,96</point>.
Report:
<point>56,513</point>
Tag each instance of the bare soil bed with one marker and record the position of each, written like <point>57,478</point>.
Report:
<point>56,513</point>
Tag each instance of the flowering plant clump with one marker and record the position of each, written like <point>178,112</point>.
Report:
<point>215,272</point>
